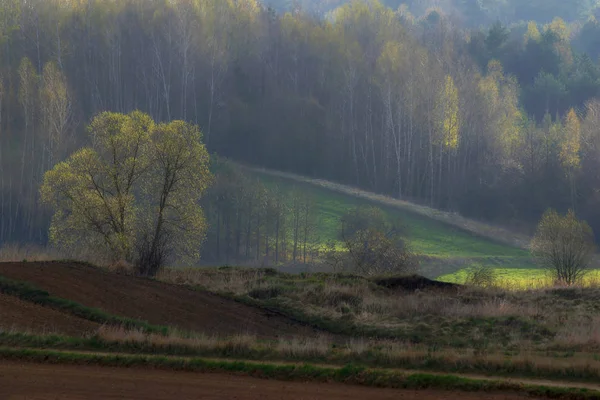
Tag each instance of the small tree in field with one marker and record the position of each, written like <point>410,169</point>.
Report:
<point>133,194</point>
<point>374,244</point>
<point>564,245</point>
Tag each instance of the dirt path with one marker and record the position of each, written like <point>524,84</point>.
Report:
<point>156,302</point>
<point>23,316</point>
<point>45,382</point>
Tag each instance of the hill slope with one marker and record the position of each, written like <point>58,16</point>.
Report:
<point>152,301</point>
<point>447,242</point>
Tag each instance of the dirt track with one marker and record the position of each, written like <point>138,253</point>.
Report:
<point>23,316</point>
<point>42,382</point>
<point>155,302</point>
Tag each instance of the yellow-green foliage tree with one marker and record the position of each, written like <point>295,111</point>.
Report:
<point>533,33</point>
<point>133,194</point>
<point>451,115</point>
<point>564,245</point>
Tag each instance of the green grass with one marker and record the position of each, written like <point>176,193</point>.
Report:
<point>348,374</point>
<point>445,246</point>
<point>27,292</point>
<point>520,278</point>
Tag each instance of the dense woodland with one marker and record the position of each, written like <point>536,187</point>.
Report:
<point>496,122</point>
<point>472,13</point>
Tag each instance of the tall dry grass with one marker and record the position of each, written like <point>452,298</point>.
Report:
<point>237,281</point>
<point>376,352</point>
<point>564,322</point>
<point>582,332</point>
<point>20,252</point>
<point>234,343</point>
<point>14,252</point>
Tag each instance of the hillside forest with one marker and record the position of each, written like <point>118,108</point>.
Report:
<point>497,120</point>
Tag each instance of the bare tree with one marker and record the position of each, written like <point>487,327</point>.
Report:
<point>56,109</point>
<point>564,245</point>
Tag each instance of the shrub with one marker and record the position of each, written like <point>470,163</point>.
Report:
<point>481,276</point>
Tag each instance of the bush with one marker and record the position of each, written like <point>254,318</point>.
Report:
<point>372,253</point>
<point>481,276</point>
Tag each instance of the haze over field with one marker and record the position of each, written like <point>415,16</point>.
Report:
<point>400,195</point>
<point>496,122</point>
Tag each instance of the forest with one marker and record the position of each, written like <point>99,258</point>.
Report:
<point>497,121</point>
<point>473,13</point>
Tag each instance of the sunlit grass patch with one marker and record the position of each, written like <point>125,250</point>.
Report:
<point>425,234</point>
<point>522,278</point>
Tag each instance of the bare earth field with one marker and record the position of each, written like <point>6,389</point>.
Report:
<point>24,316</point>
<point>155,302</point>
<point>44,382</point>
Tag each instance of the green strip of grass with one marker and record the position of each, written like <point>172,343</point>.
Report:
<point>349,374</point>
<point>30,293</point>
<point>265,351</point>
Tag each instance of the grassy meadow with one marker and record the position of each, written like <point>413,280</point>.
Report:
<point>445,248</point>
<point>521,278</point>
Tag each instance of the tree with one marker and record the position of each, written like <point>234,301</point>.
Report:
<point>564,245</point>
<point>569,153</point>
<point>172,222</point>
<point>133,194</point>
<point>373,244</point>
<point>372,252</point>
<point>56,107</point>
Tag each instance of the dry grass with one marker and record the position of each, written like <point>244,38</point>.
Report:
<point>175,338</point>
<point>381,353</point>
<point>236,281</point>
<point>582,333</point>
<point>18,253</point>
<point>36,253</point>
<point>492,318</point>
<point>304,347</point>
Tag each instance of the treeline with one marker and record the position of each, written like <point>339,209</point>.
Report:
<point>417,108</point>
<point>251,222</point>
<point>468,12</point>
<point>555,64</point>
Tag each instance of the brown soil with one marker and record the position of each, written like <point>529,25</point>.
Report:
<point>155,302</point>
<point>45,382</point>
<point>23,316</point>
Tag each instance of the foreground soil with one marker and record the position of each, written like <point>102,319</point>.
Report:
<point>22,316</point>
<point>155,302</point>
<point>41,382</point>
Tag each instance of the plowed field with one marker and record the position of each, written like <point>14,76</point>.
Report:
<point>23,316</point>
<point>45,382</point>
<point>155,302</point>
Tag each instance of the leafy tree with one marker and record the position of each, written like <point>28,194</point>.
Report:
<point>451,121</point>
<point>364,218</point>
<point>564,245</point>
<point>133,194</point>
<point>372,252</point>
<point>533,33</point>
<point>374,245</point>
